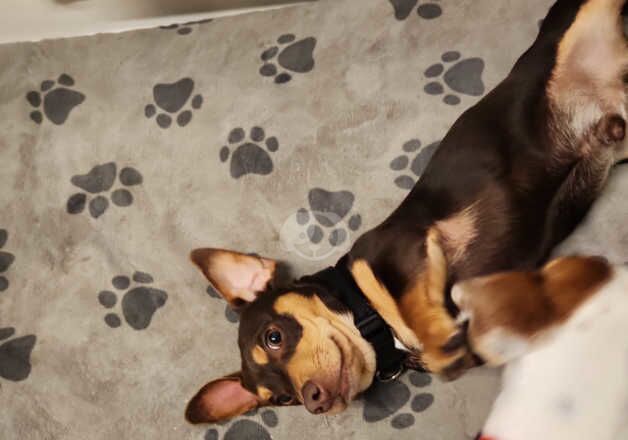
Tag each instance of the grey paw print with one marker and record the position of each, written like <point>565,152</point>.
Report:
<point>463,77</point>
<point>58,100</point>
<point>15,355</point>
<point>323,229</point>
<point>6,259</point>
<point>185,28</point>
<point>139,304</point>
<point>412,163</point>
<point>248,157</point>
<point>247,428</point>
<point>403,8</point>
<point>385,400</point>
<point>230,314</point>
<point>293,56</point>
<point>98,180</point>
<point>328,209</point>
<point>170,99</point>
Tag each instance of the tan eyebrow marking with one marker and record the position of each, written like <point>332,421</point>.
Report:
<point>259,355</point>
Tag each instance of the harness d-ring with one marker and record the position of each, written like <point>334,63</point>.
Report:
<point>382,377</point>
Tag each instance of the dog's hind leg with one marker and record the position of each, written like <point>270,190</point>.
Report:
<point>587,97</point>
<point>585,181</point>
<point>621,152</point>
<point>587,82</point>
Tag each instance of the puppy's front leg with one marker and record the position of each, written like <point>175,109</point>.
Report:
<point>418,315</point>
<point>423,307</point>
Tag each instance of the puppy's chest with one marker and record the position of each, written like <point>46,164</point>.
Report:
<point>575,386</point>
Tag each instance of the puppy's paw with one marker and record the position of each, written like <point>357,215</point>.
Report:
<point>451,366</point>
<point>460,366</point>
<point>451,358</point>
<point>455,342</point>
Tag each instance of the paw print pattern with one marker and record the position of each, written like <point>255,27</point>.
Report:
<point>463,77</point>
<point>139,304</point>
<point>171,98</point>
<point>324,228</point>
<point>403,8</point>
<point>15,355</point>
<point>247,428</point>
<point>293,56</point>
<point>248,157</point>
<point>6,260</point>
<point>230,314</point>
<point>385,400</point>
<point>185,28</point>
<point>98,180</point>
<point>58,100</point>
<point>328,209</point>
<point>413,163</point>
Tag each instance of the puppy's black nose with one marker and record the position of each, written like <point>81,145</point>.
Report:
<point>316,399</point>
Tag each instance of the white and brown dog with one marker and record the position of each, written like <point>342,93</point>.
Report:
<point>562,331</point>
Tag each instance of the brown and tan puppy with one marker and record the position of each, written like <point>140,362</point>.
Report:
<point>510,181</point>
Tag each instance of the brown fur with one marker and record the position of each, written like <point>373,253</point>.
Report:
<point>458,232</point>
<point>587,81</point>
<point>506,206</point>
<point>511,179</point>
<point>527,304</point>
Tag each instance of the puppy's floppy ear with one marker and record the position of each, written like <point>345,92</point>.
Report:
<point>239,278</point>
<point>221,399</point>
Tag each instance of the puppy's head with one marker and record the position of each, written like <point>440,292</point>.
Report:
<point>508,312</point>
<point>297,342</point>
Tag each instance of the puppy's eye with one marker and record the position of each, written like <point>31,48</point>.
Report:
<point>284,399</point>
<point>273,339</point>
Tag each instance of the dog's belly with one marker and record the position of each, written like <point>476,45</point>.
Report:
<point>575,386</point>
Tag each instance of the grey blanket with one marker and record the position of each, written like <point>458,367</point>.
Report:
<point>286,133</point>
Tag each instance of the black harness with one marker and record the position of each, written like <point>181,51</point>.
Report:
<point>372,327</point>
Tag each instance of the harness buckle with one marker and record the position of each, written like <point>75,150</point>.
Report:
<point>389,377</point>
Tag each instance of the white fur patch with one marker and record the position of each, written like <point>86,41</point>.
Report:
<point>575,384</point>
<point>502,345</point>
